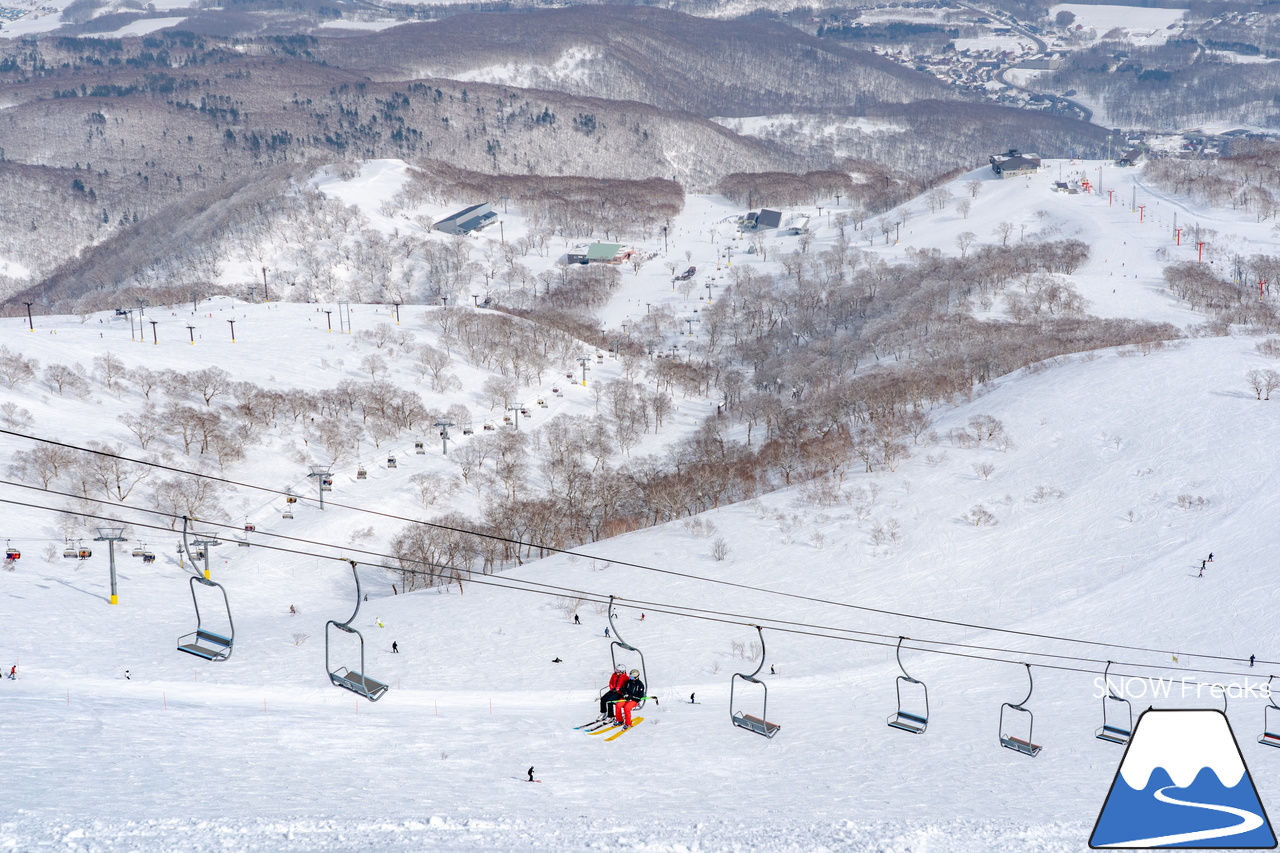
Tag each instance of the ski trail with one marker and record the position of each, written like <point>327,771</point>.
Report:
<point>1249,822</point>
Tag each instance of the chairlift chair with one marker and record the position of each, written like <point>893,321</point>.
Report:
<point>148,557</point>
<point>326,483</point>
<point>11,553</point>
<point>290,499</point>
<point>912,720</point>
<point>418,448</point>
<point>361,473</point>
<point>619,643</point>
<point>760,725</point>
<point>84,553</point>
<point>139,550</point>
<point>1270,722</point>
<point>249,526</point>
<point>203,643</point>
<point>391,462</point>
<point>288,513</point>
<point>353,680</point>
<point>1117,715</point>
<point>1010,728</point>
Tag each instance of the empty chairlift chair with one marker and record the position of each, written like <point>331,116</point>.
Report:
<point>1270,722</point>
<point>348,679</point>
<point>70,552</point>
<point>1117,715</point>
<point>201,642</point>
<point>1017,722</point>
<point>913,711</point>
<point>140,549</point>
<point>760,725</point>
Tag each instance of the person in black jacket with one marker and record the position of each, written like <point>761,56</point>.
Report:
<point>632,694</point>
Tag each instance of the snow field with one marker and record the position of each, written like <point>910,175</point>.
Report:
<point>261,753</point>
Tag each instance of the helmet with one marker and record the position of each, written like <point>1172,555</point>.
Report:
<point>635,673</point>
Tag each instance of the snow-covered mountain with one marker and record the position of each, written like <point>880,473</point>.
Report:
<point>1074,540</point>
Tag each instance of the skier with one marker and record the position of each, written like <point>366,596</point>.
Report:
<point>606,632</point>
<point>395,647</point>
<point>530,774</point>
<point>1251,660</point>
<point>576,620</point>
<point>632,693</point>
<point>641,617</point>
<point>293,610</point>
<point>617,681</point>
<point>126,676</point>
<point>691,695</point>
<point>771,672</point>
<point>13,672</point>
<point>1202,562</point>
<point>556,660</point>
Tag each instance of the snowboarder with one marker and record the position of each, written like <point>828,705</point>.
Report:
<point>617,681</point>
<point>606,632</point>
<point>556,660</point>
<point>641,617</point>
<point>691,701</point>
<point>1251,660</point>
<point>576,620</point>
<point>293,610</point>
<point>126,676</point>
<point>13,672</point>
<point>771,672</point>
<point>632,694</point>
<point>530,774</point>
<point>395,647</point>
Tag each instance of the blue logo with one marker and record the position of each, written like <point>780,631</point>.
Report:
<point>1183,783</point>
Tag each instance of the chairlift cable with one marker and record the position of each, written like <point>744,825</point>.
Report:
<point>670,572</point>
<point>721,617</point>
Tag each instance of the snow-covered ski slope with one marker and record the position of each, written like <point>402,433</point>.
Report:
<point>1126,469</point>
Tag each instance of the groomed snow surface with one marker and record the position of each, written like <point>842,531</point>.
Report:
<point>1125,471</point>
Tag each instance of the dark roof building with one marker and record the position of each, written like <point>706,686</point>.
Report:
<point>468,219</point>
<point>1132,158</point>
<point>1011,164</point>
<point>760,221</point>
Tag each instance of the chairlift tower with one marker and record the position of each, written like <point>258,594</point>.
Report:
<point>583,361</point>
<point>320,472</point>
<point>344,318</point>
<point>444,432</point>
<point>111,535</point>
